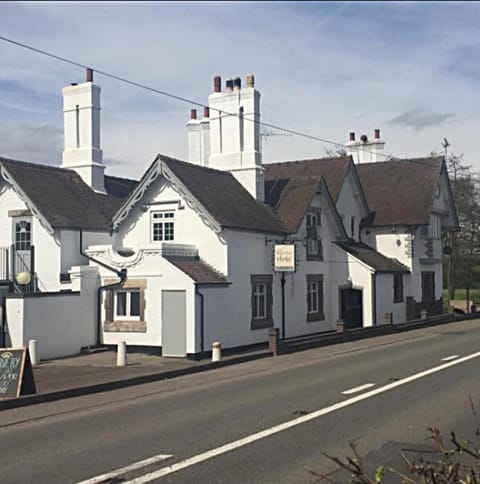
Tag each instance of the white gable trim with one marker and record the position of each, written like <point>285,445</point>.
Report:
<point>109,255</point>
<point>21,194</point>
<point>159,168</point>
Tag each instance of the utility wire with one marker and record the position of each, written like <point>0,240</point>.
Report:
<point>180,98</point>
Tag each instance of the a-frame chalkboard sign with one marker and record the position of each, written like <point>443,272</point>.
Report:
<point>16,374</point>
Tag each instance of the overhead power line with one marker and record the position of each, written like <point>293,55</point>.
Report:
<point>179,98</point>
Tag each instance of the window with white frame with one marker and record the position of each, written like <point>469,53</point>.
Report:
<point>23,235</point>
<point>127,305</point>
<point>315,297</point>
<point>314,243</point>
<point>259,301</point>
<point>163,225</point>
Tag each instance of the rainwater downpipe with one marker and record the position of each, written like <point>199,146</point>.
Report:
<point>202,318</point>
<point>122,274</point>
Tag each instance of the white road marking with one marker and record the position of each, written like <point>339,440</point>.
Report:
<point>448,358</point>
<point>124,470</point>
<point>209,454</point>
<point>358,389</point>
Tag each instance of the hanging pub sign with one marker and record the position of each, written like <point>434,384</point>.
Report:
<point>284,258</point>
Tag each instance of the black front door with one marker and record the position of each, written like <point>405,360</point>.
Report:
<point>351,308</point>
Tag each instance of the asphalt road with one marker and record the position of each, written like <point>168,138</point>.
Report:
<point>209,423</point>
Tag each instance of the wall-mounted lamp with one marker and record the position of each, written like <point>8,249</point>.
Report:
<point>23,278</point>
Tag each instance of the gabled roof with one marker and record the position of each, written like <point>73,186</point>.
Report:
<point>371,257</point>
<point>62,197</point>
<point>197,269</point>
<point>291,185</point>
<point>400,192</point>
<point>218,192</point>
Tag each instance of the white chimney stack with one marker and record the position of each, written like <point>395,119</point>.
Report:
<point>365,150</point>
<point>81,114</point>
<point>199,138</point>
<point>235,133</point>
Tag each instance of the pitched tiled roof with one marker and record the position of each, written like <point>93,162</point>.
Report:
<point>400,192</point>
<point>332,169</point>
<point>290,185</point>
<point>62,197</point>
<point>198,270</point>
<point>371,257</point>
<point>229,203</point>
<point>291,198</point>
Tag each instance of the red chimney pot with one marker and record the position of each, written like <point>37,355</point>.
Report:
<point>377,134</point>
<point>352,136</point>
<point>89,77</point>
<point>217,84</point>
<point>193,114</point>
<point>206,112</point>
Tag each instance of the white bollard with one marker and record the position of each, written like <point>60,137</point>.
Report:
<point>216,351</point>
<point>122,354</point>
<point>32,349</point>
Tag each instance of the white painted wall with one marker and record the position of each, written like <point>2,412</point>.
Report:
<point>346,267</point>
<point>49,319</point>
<point>395,243</point>
<point>70,250</point>
<point>384,300</point>
<point>62,323</point>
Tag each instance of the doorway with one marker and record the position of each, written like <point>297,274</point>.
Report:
<point>351,307</point>
<point>174,323</point>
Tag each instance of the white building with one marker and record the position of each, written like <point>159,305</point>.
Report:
<point>184,257</point>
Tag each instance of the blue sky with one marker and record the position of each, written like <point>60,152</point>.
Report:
<point>411,69</point>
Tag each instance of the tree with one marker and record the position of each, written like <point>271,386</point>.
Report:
<point>336,152</point>
<point>465,244</point>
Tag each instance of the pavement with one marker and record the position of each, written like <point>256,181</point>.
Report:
<point>96,371</point>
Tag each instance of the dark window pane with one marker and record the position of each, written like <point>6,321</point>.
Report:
<point>121,303</point>
<point>134,303</point>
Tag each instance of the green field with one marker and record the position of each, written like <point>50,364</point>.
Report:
<point>461,294</point>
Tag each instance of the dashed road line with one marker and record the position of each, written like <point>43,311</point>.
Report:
<point>358,389</point>
<point>129,468</point>
<point>449,358</point>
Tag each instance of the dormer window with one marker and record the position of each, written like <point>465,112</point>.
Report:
<point>163,226</point>
<point>314,242</point>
